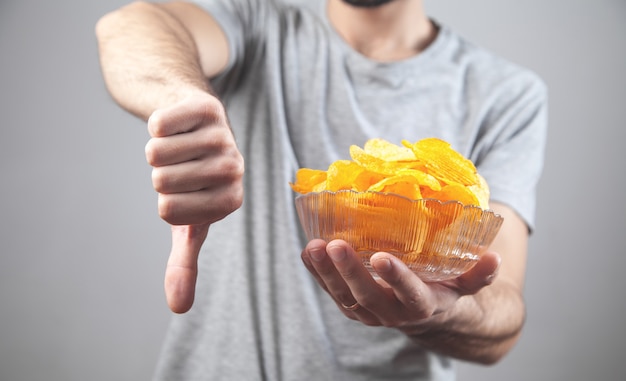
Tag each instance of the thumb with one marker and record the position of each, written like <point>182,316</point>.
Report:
<point>481,275</point>
<point>182,265</point>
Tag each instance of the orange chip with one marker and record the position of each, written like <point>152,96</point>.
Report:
<point>422,178</point>
<point>308,179</point>
<point>365,180</point>
<point>457,192</point>
<point>429,168</point>
<point>402,185</point>
<point>443,162</point>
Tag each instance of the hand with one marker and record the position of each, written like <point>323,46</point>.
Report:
<point>399,299</point>
<point>197,172</point>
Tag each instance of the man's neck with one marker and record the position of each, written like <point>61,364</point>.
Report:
<point>390,32</point>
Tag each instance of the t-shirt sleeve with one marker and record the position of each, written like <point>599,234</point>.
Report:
<point>513,161</point>
<point>243,23</point>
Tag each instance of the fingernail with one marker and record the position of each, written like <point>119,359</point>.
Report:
<point>317,255</point>
<point>382,265</point>
<point>337,254</point>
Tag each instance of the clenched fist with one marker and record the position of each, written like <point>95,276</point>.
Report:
<point>198,174</point>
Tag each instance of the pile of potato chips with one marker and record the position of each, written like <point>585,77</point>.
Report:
<point>427,169</point>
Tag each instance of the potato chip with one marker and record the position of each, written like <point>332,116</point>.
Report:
<point>365,180</point>
<point>342,174</point>
<point>481,191</point>
<point>376,164</point>
<point>307,179</point>
<point>443,162</point>
<point>457,192</point>
<point>387,151</point>
<point>428,168</point>
<point>404,185</point>
<point>422,177</point>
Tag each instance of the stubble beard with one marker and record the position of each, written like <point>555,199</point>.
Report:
<point>366,3</point>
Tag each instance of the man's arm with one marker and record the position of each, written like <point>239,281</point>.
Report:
<point>476,317</point>
<point>155,61</point>
<point>154,55</point>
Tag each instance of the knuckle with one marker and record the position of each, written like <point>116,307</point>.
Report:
<point>345,297</point>
<point>235,174</point>
<point>153,153</point>
<point>214,109</point>
<point>158,180</point>
<point>368,302</point>
<point>155,123</point>
<point>238,165</point>
<point>218,138</point>
<point>231,167</point>
<point>419,310</point>
<point>326,271</point>
<point>150,152</point>
<point>350,273</point>
<point>164,180</point>
<point>233,201</point>
<point>225,171</point>
<point>167,209</point>
<point>237,197</point>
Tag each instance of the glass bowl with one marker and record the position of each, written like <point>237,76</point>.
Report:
<point>436,240</point>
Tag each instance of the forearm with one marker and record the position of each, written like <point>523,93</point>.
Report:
<point>148,58</point>
<point>480,328</point>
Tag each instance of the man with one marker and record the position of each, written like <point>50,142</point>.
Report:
<point>298,85</point>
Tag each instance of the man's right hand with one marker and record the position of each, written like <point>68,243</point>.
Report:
<point>198,174</point>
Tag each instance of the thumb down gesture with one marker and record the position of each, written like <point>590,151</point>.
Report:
<point>198,175</point>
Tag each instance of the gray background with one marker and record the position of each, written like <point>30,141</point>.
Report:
<point>83,250</point>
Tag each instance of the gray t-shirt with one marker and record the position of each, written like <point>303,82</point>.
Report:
<point>298,96</point>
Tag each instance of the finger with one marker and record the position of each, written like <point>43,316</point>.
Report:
<point>411,292</point>
<point>196,175</point>
<point>319,264</point>
<point>182,266</point>
<point>319,247</point>
<point>205,206</point>
<point>357,278</point>
<point>326,273</point>
<point>213,140</point>
<point>481,275</point>
<point>175,149</point>
<point>185,116</point>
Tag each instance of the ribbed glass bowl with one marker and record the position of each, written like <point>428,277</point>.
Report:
<point>437,240</point>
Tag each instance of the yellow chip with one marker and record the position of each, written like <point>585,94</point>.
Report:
<point>443,162</point>
<point>387,151</point>
<point>376,164</point>
<point>342,174</point>
<point>481,191</point>
<point>365,180</point>
<point>429,168</point>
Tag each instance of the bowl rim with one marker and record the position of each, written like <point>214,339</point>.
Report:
<point>396,195</point>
